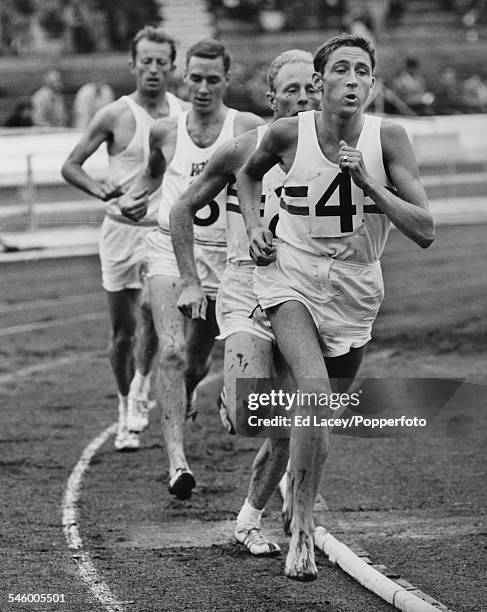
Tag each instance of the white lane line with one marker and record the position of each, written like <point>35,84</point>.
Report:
<point>54,301</point>
<point>22,329</point>
<point>42,367</point>
<point>86,569</point>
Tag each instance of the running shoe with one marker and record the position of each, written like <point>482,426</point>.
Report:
<point>182,484</point>
<point>126,440</point>
<point>255,542</point>
<point>137,413</point>
<point>223,412</point>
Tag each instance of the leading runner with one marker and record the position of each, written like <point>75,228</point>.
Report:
<point>348,175</point>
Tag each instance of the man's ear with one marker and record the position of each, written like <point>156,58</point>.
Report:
<point>372,85</point>
<point>271,99</point>
<point>317,81</point>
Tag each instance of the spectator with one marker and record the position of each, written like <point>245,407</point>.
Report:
<point>449,95</point>
<point>410,87</point>
<point>48,107</point>
<point>474,92</point>
<point>21,116</point>
<point>88,100</point>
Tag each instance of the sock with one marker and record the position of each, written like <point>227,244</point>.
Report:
<point>140,384</point>
<point>248,516</point>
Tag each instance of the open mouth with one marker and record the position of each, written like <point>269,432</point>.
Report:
<point>351,97</point>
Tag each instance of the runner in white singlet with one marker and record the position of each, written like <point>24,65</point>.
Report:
<point>180,150</point>
<point>124,126</point>
<point>244,327</point>
<point>324,287</point>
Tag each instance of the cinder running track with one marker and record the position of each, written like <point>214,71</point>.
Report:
<point>414,504</point>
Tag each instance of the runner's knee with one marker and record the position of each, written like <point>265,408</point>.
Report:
<point>172,355</point>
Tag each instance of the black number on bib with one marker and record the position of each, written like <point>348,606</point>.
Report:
<point>211,218</point>
<point>344,209</point>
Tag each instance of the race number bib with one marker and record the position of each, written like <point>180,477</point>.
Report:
<point>336,205</point>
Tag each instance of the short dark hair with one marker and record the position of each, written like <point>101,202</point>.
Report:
<point>154,34</point>
<point>323,52</point>
<point>210,49</point>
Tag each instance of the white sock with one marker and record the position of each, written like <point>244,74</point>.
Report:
<point>122,409</point>
<point>248,516</point>
<point>140,384</point>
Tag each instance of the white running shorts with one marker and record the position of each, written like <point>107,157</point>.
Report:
<point>342,297</point>
<point>210,261</point>
<point>236,305</point>
<point>122,255</point>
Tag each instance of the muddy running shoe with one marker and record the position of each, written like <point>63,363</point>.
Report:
<point>126,440</point>
<point>137,413</point>
<point>256,543</point>
<point>223,412</point>
<point>182,484</point>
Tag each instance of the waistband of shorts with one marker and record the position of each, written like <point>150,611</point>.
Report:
<point>125,221</point>
<point>205,243</point>
<point>241,263</point>
<point>323,257</point>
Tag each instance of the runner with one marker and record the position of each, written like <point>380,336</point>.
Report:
<point>248,341</point>
<point>323,291</point>
<point>180,150</point>
<point>124,126</point>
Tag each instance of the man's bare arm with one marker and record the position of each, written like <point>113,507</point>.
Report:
<point>134,203</point>
<point>249,187</point>
<point>98,131</point>
<point>409,208</point>
<point>219,171</point>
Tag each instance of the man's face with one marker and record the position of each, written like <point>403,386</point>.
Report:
<point>294,91</point>
<point>207,83</point>
<point>152,65</point>
<point>346,81</point>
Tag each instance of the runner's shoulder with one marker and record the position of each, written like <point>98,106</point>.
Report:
<point>246,121</point>
<point>282,132</point>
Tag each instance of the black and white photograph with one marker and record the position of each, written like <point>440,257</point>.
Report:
<point>243,305</point>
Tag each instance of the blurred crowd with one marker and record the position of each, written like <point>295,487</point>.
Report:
<point>47,107</point>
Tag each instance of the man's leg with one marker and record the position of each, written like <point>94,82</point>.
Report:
<point>297,339</point>
<point>145,352</point>
<point>170,388</point>
<point>122,308</point>
<point>247,356</point>
<point>200,340</point>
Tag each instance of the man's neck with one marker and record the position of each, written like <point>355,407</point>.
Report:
<point>207,119</point>
<point>151,101</point>
<point>333,128</point>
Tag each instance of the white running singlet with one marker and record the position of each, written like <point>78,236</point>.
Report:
<point>188,162</point>
<point>322,211</point>
<point>237,238</point>
<point>125,167</point>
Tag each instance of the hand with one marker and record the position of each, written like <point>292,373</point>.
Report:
<point>351,160</point>
<point>133,205</point>
<point>192,302</point>
<point>107,190</point>
<point>261,248</point>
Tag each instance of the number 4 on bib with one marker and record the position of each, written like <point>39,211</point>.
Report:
<point>336,208</point>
